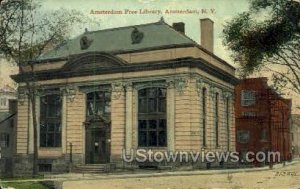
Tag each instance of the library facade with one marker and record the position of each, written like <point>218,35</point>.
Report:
<point>138,87</point>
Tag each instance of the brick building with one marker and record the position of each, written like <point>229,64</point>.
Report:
<point>262,118</point>
<point>295,135</point>
<point>144,86</point>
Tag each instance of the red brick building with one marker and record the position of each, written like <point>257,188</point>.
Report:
<point>262,118</point>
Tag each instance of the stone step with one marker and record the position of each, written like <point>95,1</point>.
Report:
<point>90,168</point>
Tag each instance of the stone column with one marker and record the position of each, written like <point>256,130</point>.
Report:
<point>227,96</point>
<point>64,124</point>
<point>128,115</point>
<point>30,128</point>
<point>117,121</point>
<point>171,115</point>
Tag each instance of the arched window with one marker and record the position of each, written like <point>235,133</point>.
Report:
<point>152,127</point>
<point>204,116</point>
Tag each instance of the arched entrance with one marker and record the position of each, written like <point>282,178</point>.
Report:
<point>97,141</point>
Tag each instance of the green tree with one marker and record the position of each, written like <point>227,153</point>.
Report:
<point>267,36</point>
<point>26,31</point>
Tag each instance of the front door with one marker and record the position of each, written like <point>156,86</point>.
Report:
<point>97,145</point>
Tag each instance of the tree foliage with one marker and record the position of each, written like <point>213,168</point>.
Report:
<point>267,33</point>
<point>26,31</point>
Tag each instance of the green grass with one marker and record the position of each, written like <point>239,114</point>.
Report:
<point>22,178</point>
<point>26,185</point>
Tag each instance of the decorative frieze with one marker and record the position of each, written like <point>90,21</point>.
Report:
<point>200,85</point>
<point>117,89</point>
<point>181,84</point>
<point>70,92</point>
<point>227,95</point>
<point>170,83</point>
<point>22,95</point>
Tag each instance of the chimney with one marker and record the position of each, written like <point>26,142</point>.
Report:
<point>179,26</point>
<point>207,34</point>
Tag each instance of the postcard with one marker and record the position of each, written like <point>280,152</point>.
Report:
<point>149,94</point>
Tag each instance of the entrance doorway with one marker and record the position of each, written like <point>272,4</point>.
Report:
<point>97,142</point>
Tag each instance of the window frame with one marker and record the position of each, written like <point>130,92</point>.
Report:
<point>216,120</point>
<point>227,111</point>
<point>244,141</point>
<point>248,101</point>
<point>264,134</point>
<point>149,113</point>
<point>55,120</point>
<point>204,112</point>
<point>5,140</point>
<point>104,101</point>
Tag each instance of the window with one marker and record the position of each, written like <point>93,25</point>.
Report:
<point>152,127</point>
<point>204,116</point>
<point>264,134</point>
<point>4,140</point>
<point>248,114</point>
<point>45,168</point>
<point>3,101</point>
<point>50,121</point>
<point>217,118</point>
<point>247,98</point>
<point>98,103</point>
<point>243,136</point>
<point>227,122</point>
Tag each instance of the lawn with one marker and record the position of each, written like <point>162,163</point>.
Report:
<point>27,185</point>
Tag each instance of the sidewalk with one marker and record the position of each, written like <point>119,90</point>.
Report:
<point>148,173</point>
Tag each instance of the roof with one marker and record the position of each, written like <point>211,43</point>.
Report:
<point>158,34</point>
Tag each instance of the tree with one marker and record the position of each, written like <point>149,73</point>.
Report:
<point>25,33</point>
<point>267,37</point>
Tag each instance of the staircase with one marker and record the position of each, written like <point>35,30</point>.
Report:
<point>91,168</point>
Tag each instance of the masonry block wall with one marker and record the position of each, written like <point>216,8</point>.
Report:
<point>74,125</point>
<point>117,125</point>
<point>22,122</point>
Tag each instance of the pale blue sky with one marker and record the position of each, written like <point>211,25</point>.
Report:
<point>224,10</point>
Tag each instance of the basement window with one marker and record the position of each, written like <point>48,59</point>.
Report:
<point>45,168</point>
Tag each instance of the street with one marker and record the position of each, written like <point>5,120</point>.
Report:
<point>284,177</point>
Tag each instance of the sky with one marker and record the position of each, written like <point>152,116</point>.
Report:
<point>220,11</point>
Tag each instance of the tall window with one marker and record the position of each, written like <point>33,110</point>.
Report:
<point>4,143</point>
<point>217,118</point>
<point>204,116</point>
<point>152,128</point>
<point>227,122</point>
<point>98,103</point>
<point>50,121</point>
<point>247,98</point>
